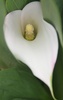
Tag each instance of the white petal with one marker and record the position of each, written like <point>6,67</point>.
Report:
<point>40,54</point>
<point>12,29</point>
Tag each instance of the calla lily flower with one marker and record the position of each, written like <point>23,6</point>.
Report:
<point>32,40</point>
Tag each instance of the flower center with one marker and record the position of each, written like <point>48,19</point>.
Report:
<point>29,32</point>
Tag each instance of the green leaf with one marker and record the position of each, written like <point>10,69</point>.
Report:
<point>17,84</point>
<point>2,16</point>
<point>52,14</point>
<point>12,5</point>
<point>60,6</point>
<point>58,76</point>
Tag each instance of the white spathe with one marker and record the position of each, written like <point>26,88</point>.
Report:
<point>40,54</point>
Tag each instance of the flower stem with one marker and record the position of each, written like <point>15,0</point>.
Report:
<point>51,89</point>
